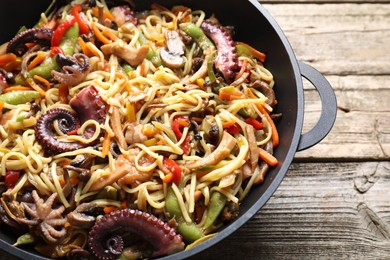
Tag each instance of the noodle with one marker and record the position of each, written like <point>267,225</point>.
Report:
<point>153,129</point>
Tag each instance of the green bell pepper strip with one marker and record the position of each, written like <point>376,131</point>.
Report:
<point>153,56</point>
<point>67,44</point>
<point>19,97</point>
<point>215,84</point>
<point>217,203</point>
<point>190,231</point>
<point>196,33</point>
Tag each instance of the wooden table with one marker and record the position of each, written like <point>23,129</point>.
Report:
<point>335,200</point>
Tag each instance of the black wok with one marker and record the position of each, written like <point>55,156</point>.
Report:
<point>253,25</point>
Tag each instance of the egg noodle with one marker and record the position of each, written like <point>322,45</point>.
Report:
<point>167,128</point>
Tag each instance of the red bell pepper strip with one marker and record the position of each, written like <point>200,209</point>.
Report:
<point>11,178</point>
<point>56,50</point>
<point>172,166</point>
<point>234,129</point>
<point>178,125</point>
<point>84,29</point>
<point>256,124</point>
<point>60,31</point>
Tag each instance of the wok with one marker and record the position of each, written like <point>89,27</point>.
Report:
<point>255,26</point>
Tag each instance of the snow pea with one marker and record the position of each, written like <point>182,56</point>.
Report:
<point>190,231</point>
<point>19,97</point>
<point>217,203</point>
<point>196,33</point>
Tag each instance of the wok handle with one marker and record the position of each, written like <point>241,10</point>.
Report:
<point>329,107</point>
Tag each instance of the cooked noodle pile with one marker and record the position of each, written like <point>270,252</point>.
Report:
<point>167,121</point>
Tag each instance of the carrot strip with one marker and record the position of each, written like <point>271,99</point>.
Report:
<point>168,178</point>
<point>16,88</point>
<point>142,69</point>
<point>267,157</point>
<point>7,58</point>
<point>257,54</point>
<point>37,60</point>
<point>99,34</point>
<point>275,134</point>
<point>242,70</point>
<point>1,105</point>
<point>109,209</point>
<point>106,144</point>
<point>63,92</point>
<point>228,124</point>
<point>36,87</point>
<point>84,47</point>
<point>43,80</point>
<point>110,35</point>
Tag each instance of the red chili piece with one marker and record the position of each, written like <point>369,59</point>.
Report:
<point>11,178</point>
<point>56,50</point>
<point>178,125</point>
<point>172,166</point>
<point>84,29</point>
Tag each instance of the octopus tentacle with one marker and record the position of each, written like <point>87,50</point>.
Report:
<point>35,35</point>
<point>46,137</point>
<point>227,59</point>
<point>163,239</point>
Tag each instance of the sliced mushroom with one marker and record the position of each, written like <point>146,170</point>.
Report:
<point>79,218</point>
<point>131,55</point>
<point>171,59</point>
<point>174,42</point>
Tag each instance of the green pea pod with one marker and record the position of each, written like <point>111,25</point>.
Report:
<point>19,97</point>
<point>24,239</point>
<point>217,203</point>
<point>196,33</point>
<point>190,231</point>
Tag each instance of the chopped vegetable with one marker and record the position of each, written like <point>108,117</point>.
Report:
<point>190,231</point>
<point>7,58</point>
<point>106,144</point>
<point>178,124</point>
<point>234,129</point>
<point>58,34</point>
<point>82,25</point>
<point>11,178</point>
<point>245,49</point>
<point>196,33</point>
<point>217,203</point>
<point>267,157</point>
<point>256,124</point>
<point>175,169</point>
<point>19,97</point>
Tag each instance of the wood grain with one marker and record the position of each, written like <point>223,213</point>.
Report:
<point>331,211</point>
<point>346,43</point>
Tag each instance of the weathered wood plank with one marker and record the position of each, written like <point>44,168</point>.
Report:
<point>331,211</point>
<point>338,39</point>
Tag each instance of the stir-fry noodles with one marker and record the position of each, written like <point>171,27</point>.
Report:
<point>129,134</point>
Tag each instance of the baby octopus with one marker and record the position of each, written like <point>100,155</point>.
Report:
<point>130,231</point>
<point>88,104</point>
